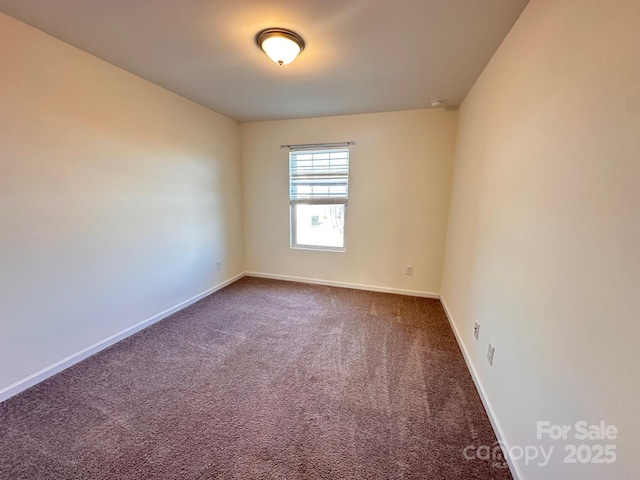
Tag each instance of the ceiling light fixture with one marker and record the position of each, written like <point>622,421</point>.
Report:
<point>282,46</point>
<point>437,103</point>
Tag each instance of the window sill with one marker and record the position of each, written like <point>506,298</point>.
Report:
<point>318,249</point>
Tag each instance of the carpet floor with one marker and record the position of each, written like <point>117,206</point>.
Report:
<point>262,380</point>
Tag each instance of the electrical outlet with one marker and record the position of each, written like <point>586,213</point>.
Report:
<point>490,354</point>
<point>408,270</point>
<point>219,264</point>
<point>476,330</point>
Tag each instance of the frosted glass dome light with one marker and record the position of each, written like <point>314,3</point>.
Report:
<point>281,46</point>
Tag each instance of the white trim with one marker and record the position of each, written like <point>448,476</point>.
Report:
<point>497,428</point>
<point>331,283</point>
<point>33,379</point>
<point>318,249</point>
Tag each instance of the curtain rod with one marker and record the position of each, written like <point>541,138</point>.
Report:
<point>319,145</point>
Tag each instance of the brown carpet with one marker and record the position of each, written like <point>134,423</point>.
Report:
<point>261,380</point>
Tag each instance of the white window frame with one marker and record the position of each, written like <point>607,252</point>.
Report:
<point>317,200</point>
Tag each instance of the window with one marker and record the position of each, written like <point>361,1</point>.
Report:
<point>318,193</point>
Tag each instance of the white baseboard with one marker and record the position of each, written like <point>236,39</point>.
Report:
<point>65,363</point>
<point>355,286</point>
<point>513,466</point>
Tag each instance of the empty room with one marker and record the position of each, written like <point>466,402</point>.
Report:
<point>323,239</point>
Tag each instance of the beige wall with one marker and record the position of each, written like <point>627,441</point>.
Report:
<point>544,234</point>
<point>116,199</point>
<point>398,198</point>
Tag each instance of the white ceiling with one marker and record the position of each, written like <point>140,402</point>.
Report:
<point>361,55</point>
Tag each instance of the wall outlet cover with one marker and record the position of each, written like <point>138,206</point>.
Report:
<point>490,353</point>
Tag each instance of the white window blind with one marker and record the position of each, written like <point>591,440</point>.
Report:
<point>319,176</point>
